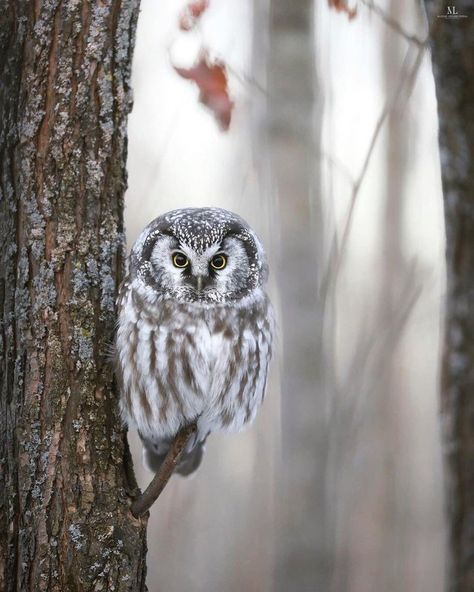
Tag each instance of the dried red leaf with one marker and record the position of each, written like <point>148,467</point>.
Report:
<point>211,79</point>
<point>191,14</point>
<point>341,6</point>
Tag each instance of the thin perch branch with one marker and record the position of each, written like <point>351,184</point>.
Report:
<point>143,503</point>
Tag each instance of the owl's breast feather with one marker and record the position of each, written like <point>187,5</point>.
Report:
<point>180,362</point>
<point>212,353</point>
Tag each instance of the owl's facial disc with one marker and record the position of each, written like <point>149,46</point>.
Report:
<point>219,273</point>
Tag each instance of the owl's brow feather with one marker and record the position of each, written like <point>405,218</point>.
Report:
<point>151,241</point>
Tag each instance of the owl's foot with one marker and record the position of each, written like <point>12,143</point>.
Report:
<point>190,461</point>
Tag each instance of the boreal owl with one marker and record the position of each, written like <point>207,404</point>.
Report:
<point>195,329</point>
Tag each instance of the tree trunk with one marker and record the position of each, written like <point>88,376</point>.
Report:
<point>66,477</point>
<point>294,108</point>
<point>452,42</point>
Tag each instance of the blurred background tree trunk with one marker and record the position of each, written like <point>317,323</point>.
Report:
<point>65,478</point>
<point>294,111</point>
<point>452,43</point>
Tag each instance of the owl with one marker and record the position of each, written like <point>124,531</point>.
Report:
<point>195,329</point>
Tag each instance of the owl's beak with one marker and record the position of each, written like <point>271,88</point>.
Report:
<point>199,282</point>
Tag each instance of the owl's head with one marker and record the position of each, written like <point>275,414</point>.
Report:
<point>198,255</point>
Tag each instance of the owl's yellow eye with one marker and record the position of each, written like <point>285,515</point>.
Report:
<point>218,262</point>
<point>180,260</point>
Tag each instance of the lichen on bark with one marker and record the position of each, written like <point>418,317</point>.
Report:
<point>65,479</point>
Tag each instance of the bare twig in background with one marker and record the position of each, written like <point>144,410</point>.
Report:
<point>373,351</point>
<point>405,84</point>
<point>393,24</point>
<point>159,481</point>
<point>336,164</point>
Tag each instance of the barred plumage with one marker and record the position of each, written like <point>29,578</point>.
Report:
<point>194,340</point>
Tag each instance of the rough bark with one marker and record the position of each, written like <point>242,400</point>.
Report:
<point>452,42</point>
<point>66,479</point>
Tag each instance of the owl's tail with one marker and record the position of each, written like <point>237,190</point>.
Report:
<point>155,454</point>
